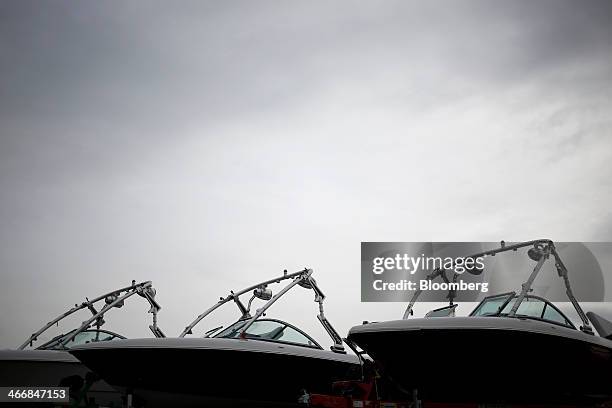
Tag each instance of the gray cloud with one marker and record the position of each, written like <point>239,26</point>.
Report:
<point>204,145</point>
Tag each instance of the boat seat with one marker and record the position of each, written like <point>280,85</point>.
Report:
<point>602,325</point>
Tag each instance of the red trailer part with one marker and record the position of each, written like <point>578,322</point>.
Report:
<point>356,394</point>
<point>330,401</point>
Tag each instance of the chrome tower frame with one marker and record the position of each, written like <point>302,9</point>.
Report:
<point>115,298</point>
<point>541,251</point>
<point>302,278</point>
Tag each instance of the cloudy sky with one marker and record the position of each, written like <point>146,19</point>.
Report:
<point>205,145</point>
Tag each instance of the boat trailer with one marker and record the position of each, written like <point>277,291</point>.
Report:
<point>355,394</point>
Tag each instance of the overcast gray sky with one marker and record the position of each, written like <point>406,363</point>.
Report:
<point>204,145</point>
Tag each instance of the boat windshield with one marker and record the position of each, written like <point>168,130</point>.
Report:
<point>270,330</point>
<point>531,307</point>
<point>446,311</point>
<point>491,306</point>
<point>84,337</point>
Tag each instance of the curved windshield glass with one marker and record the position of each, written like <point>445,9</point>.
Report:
<point>531,306</point>
<point>491,305</point>
<point>270,330</point>
<point>84,337</point>
<point>447,311</point>
<point>538,309</point>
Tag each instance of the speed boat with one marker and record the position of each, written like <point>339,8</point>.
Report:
<point>255,361</point>
<point>50,365</point>
<point>514,347</point>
